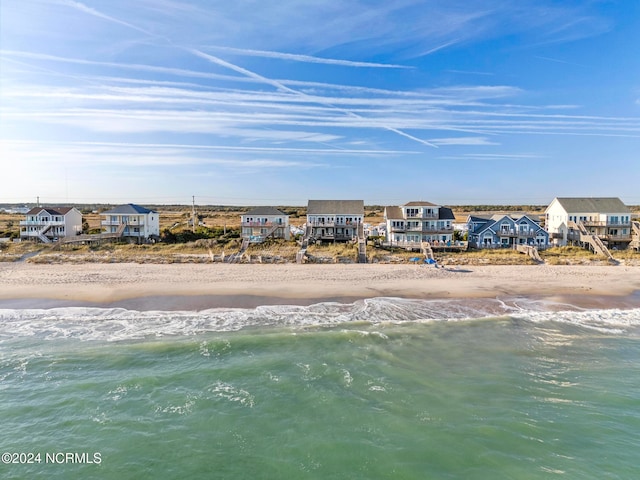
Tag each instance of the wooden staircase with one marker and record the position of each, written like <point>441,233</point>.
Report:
<point>593,242</point>
<point>236,257</point>
<point>531,251</point>
<point>425,248</point>
<point>304,244</point>
<point>272,230</point>
<point>41,234</point>
<point>94,237</point>
<point>635,235</point>
<point>362,245</point>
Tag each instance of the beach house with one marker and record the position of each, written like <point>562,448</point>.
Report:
<point>132,221</point>
<point>262,222</point>
<point>47,224</point>
<point>585,220</point>
<point>415,222</point>
<point>335,220</point>
<point>505,231</point>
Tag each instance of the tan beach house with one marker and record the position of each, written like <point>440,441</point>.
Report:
<point>419,221</point>
<point>582,220</point>
<point>132,221</point>
<point>47,224</point>
<point>261,223</point>
<point>335,220</point>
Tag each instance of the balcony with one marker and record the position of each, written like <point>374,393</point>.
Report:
<point>117,223</point>
<point>263,224</point>
<point>595,223</point>
<point>41,223</point>
<point>426,215</point>
<point>340,237</point>
<point>334,224</point>
<point>616,238</point>
<point>443,229</point>
<point>519,234</point>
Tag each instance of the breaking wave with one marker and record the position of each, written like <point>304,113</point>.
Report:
<point>113,324</point>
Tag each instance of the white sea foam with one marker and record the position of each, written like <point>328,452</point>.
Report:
<point>112,324</point>
<point>614,321</point>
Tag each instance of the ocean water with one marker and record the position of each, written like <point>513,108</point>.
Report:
<point>382,388</point>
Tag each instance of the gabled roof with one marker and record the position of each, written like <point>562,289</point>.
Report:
<point>478,218</point>
<point>50,210</point>
<point>335,207</point>
<point>64,210</point>
<point>265,211</point>
<point>491,223</point>
<point>128,209</point>
<point>592,205</point>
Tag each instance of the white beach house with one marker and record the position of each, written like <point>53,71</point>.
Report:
<point>263,222</point>
<point>569,220</point>
<point>46,224</point>
<point>132,221</point>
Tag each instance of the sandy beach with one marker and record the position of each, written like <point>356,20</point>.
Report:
<point>121,283</point>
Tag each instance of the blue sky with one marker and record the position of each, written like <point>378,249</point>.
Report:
<point>273,103</point>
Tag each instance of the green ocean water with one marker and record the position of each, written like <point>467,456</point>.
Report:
<point>527,395</point>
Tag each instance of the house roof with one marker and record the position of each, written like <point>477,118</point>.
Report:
<point>336,207</point>
<point>478,218</point>
<point>420,204</point>
<point>593,204</point>
<point>265,211</point>
<point>129,208</point>
<point>490,223</point>
<point>445,213</point>
<point>50,210</point>
<point>394,213</point>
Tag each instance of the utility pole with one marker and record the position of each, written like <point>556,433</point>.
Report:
<point>38,201</point>
<point>193,212</point>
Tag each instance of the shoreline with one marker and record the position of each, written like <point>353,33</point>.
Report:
<point>148,286</point>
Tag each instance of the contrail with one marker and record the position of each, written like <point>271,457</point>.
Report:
<point>306,58</point>
<point>283,87</point>
<point>280,86</point>
<point>82,7</point>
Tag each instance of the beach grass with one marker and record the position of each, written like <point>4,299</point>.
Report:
<point>280,251</point>
<point>496,256</point>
